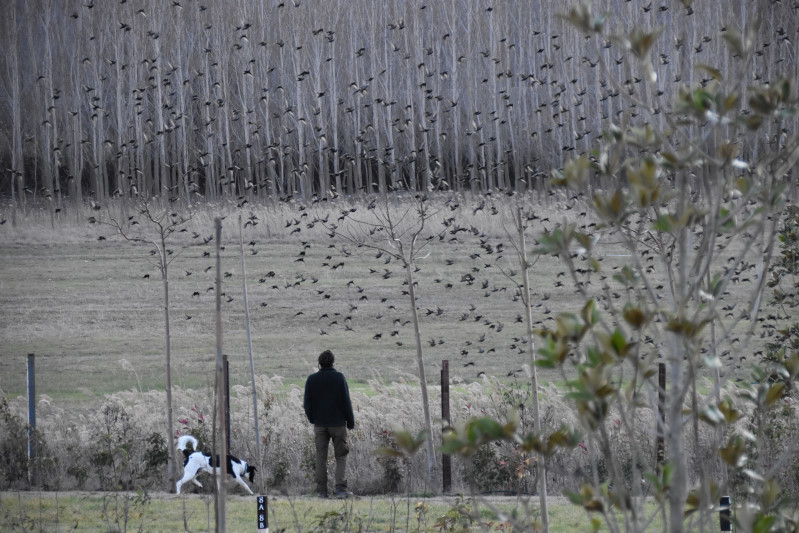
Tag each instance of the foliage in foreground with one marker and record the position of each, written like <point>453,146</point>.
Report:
<point>616,348</point>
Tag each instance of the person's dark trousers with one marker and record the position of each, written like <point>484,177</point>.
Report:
<point>323,435</point>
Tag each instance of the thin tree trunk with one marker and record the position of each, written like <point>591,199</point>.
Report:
<point>249,345</point>
<point>431,457</point>
<point>542,478</point>
<point>219,435</point>
<point>171,468</point>
<point>17,163</point>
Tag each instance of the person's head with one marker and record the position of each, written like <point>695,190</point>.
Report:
<point>326,359</point>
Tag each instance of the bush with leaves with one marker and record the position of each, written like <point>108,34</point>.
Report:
<point>16,470</point>
<point>122,456</point>
<point>780,357</point>
<point>390,462</point>
<point>683,223</point>
<point>684,195</point>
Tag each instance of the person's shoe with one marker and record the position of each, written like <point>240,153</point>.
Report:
<point>342,494</point>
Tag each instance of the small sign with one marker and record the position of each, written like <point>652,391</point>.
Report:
<point>724,514</point>
<point>263,514</point>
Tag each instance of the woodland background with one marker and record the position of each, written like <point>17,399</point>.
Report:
<point>264,100</point>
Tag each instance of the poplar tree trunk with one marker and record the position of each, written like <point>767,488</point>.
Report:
<point>542,478</point>
<point>17,163</point>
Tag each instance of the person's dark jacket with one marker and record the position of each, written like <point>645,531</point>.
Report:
<point>327,399</point>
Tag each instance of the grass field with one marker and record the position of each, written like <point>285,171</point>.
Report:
<point>93,512</point>
<point>92,311</point>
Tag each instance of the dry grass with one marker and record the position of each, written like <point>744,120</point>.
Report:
<point>166,513</point>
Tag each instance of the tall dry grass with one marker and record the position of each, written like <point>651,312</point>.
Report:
<point>81,442</point>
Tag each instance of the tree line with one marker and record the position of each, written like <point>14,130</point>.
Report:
<point>209,100</point>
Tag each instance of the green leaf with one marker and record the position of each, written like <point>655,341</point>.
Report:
<point>774,393</point>
<point>555,242</point>
<point>733,452</point>
<point>455,446</point>
<point>770,494</point>
<point>663,223</point>
<point>635,316</point>
<point>574,174</point>
<point>691,503</point>
<point>619,342</point>
<point>583,19</point>
<point>712,415</point>
<point>407,443</point>
<point>389,452</point>
<point>563,438</point>
<point>611,208</point>
<point>575,497</point>
<point>714,72</point>
<point>585,498</point>
<point>763,523</point>
<point>590,314</point>
<point>641,42</point>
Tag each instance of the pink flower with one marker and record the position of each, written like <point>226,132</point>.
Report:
<point>184,421</point>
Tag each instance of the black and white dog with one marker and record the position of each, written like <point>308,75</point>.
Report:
<point>197,462</point>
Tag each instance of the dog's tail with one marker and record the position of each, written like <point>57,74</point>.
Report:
<point>183,440</point>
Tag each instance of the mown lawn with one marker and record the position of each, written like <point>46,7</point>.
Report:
<point>92,311</point>
<point>104,512</point>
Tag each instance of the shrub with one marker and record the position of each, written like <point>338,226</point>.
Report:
<point>488,471</point>
<point>391,480</point>
<point>15,467</point>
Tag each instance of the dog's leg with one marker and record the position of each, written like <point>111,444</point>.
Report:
<point>243,484</point>
<point>190,472</point>
<point>181,482</point>
<point>196,482</point>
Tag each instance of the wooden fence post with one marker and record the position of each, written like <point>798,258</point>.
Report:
<point>226,364</point>
<point>446,463</point>
<point>31,415</point>
<point>661,417</point>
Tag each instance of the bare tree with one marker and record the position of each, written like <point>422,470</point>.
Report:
<point>156,225</point>
<point>403,233</point>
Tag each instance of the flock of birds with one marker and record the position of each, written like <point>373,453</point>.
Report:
<point>468,287</point>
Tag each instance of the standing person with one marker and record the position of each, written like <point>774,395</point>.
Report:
<point>328,407</point>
